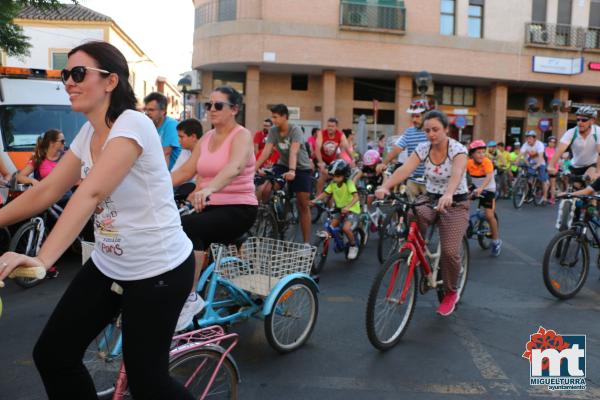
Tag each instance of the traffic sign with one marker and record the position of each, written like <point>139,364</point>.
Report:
<point>460,122</point>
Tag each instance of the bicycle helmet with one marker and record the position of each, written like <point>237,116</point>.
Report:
<point>517,144</point>
<point>587,111</point>
<point>492,143</point>
<point>371,158</point>
<point>418,107</point>
<point>551,138</point>
<point>475,145</point>
<point>531,133</point>
<point>339,168</point>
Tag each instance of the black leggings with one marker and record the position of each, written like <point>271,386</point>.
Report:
<point>150,308</point>
<point>218,224</point>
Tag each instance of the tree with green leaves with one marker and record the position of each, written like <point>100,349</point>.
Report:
<point>13,40</point>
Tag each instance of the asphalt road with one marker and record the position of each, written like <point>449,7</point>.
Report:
<point>473,354</point>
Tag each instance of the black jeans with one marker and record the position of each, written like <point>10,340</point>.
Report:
<point>150,308</point>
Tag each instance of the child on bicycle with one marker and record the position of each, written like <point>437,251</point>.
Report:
<point>481,170</point>
<point>345,199</point>
<point>372,180</point>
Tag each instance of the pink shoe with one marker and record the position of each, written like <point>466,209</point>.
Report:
<point>448,304</point>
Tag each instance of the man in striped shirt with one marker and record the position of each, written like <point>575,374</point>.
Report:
<point>409,141</point>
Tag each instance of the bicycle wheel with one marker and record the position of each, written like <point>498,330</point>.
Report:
<point>519,192</point>
<point>387,243</point>
<point>484,232</point>
<point>322,245</point>
<point>388,316</point>
<point>194,370</point>
<point>25,242</point>
<point>103,359</point>
<point>293,317</point>
<point>465,261</point>
<point>359,235</point>
<point>315,214</point>
<point>290,226</point>
<point>566,264</point>
<point>265,224</point>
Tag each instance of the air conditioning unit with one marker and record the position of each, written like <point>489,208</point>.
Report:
<point>538,34</point>
<point>357,18</point>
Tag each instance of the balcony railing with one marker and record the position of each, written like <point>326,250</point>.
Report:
<point>226,10</point>
<point>541,34</point>
<point>363,16</point>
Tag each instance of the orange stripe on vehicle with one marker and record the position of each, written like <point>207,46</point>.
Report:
<point>20,158</point>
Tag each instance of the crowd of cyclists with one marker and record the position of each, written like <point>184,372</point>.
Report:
<point>157,257</point>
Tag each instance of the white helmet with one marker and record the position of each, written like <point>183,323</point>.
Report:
<point>587,111</point>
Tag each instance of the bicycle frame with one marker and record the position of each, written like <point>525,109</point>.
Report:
<point>416,244</point>
<point>212,337</point>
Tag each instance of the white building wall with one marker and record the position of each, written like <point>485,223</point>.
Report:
<point>45,38</point>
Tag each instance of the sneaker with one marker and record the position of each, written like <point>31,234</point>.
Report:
<point>496,247</point>
<point>448,304</point>
<point>193,305</point>
<point>51,273</point>
<point>352,252</point>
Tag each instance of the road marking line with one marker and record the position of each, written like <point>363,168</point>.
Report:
<point>339,299</point>
<point>523,256</point>
<point>480,356</point>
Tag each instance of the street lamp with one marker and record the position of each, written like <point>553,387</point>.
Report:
<point>423,79</point>
<point>183,85</point>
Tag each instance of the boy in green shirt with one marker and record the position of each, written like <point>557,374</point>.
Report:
<point>345,199</point>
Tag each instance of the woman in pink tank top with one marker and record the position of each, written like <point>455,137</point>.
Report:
<point>225,199</point>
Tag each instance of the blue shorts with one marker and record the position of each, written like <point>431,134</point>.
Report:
<point>302,183</point>
<point>543,173</point>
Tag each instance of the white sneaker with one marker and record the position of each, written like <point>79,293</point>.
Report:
<point>193,305</point>
<point>352,252</point>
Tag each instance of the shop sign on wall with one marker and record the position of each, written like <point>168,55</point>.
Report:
<point>555,65</point>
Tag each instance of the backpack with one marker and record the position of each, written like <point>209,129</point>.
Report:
<point>575,137</point>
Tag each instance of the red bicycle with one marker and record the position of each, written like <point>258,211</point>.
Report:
<point>393,294</point>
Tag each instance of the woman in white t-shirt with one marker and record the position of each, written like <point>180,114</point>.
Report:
<point>445,162</point>
<point>140,243</point>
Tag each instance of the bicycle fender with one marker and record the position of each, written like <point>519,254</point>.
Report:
<point>270,300</point>
<point>212,346</point>
<point>209,271</point>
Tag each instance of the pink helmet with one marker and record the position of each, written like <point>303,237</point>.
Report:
<point>476,144</point>
<point>371,158</point>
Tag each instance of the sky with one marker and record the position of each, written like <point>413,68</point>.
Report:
<point>163,29</point>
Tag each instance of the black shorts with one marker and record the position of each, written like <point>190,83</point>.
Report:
<point>218,224</point>
<point>487,199</point>
<point>302,183</point>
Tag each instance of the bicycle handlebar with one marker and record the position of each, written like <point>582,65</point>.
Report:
<point>26,272</point>
<point>579,196</point>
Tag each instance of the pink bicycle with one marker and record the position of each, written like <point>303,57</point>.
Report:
<point>201,360</point>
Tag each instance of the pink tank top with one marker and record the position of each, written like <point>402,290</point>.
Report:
<point>241,189</point>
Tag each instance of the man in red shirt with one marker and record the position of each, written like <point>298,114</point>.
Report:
<point>260,138</point>
<point>328,142</point>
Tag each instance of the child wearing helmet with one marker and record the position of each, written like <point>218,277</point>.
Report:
<point>368,173</point>
<point>345,200</point>
<point>481,170</point>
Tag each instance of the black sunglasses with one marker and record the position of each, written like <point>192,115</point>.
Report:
<point>218,105</point>
<point>78,73</point>
<point>583,119</point>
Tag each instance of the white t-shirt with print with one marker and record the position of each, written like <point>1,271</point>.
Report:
<point>538,147</point>
<point>137,228</point>
<point>438,176</point>
<point>584,151</point>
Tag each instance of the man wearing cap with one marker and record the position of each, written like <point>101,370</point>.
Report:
<point>409,141</point>
<point>533,152</point>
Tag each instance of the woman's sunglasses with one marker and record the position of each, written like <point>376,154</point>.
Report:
<point>78,73</point>
<point>217,105</point>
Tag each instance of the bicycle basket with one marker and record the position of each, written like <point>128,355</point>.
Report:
<point>260,263</point>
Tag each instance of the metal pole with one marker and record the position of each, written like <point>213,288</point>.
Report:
<point>184,96</point>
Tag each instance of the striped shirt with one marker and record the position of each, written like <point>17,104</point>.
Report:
<point>409,141</point>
